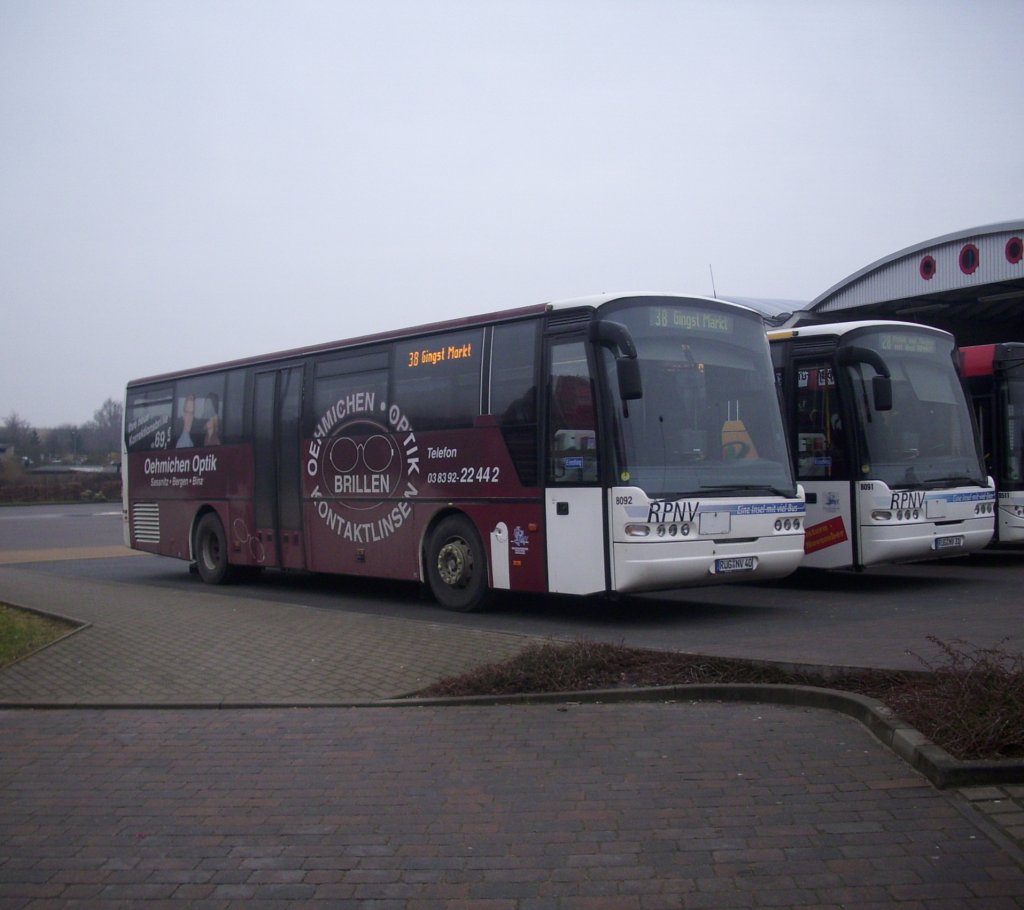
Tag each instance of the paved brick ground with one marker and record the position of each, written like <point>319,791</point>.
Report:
<point>149,645</point>
<point>619,806</point>
<point>590,806</point>
<point>1003,805</point>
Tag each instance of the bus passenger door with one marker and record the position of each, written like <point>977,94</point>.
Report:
<point>277,494</point>
<point>574,506</point>
<point>824,455</point>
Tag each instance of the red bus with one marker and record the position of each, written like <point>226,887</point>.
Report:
<point>994,374</point>
<point>612,444</point>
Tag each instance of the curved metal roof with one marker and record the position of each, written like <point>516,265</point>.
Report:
<point>970,283</point>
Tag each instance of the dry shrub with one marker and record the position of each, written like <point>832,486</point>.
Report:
<point>973,702</point>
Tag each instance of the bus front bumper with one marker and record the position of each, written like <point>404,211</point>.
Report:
<point>913,543</point>
<point>659,565</point>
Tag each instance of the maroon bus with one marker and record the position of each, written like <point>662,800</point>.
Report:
<point>599,445</point>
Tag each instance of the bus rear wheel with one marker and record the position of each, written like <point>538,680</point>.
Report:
<point>456,565</point>
<point>211,551</point>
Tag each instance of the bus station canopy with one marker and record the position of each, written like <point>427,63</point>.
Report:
<point>970,283</point>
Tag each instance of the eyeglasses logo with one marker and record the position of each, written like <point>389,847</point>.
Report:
<point>363,463</point>
<point>367,466</point>
<point>375,454</point>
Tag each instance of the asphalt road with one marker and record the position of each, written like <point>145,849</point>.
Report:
<point>889,617</point>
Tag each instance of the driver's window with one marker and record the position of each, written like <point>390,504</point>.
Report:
<point>572,420</point>
<point>821,442</point>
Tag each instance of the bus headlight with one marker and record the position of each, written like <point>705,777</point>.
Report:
<point>881,515</point>
<point>638,530</point>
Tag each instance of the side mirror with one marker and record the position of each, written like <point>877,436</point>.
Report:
<point>628,371</point>
<point>881,392</point>
<point>616,338</point>
<point>881,384</point>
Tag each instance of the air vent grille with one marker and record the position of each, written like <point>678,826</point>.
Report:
<point>146,522</point>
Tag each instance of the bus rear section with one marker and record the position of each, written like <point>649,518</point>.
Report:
<point>613,444</point>
<point>994,374</point>
<point>884,444</point>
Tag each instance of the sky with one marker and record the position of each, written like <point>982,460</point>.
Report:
<point>190,182</point>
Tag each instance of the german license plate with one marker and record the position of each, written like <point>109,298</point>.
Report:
<point>952,542</point>
<point>735,564</point>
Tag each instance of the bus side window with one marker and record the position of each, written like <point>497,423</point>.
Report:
<point>437,380</point>
<point>572,427</point>
<point>148,419</point>
<point>198,411</point>
<point>234,406</point>
<point>513,391</point>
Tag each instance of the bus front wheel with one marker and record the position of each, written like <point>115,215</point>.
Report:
<point>211,551</point>
<point>456,565</point>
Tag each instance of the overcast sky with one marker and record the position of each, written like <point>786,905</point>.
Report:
<point>188,182</point>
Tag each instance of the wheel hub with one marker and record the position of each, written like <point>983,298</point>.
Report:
<point>453,563</point>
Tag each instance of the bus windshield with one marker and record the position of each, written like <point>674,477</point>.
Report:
<point>708,419</point>
<point>927,438</point>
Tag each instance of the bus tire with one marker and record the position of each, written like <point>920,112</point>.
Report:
<point>456,565</point>
<point>211,551</point>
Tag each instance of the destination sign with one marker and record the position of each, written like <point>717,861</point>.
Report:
<point>905,343</point>
<point>691,320</point>
<point>462,349</point>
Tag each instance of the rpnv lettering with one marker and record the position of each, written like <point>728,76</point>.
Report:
<point>907,499</point>
<point>668,510</point>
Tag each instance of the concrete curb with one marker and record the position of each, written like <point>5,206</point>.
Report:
<point>941,768</point>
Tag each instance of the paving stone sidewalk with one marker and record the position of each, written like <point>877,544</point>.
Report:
<point>529,806</point>
<point>491,808</point>
<point>146,645</point>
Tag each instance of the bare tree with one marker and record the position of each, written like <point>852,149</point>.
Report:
<point>106,426</point>
<point>16,430</point>
<point>62,442</point>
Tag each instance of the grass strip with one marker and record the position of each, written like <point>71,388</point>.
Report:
<point>22,632</point>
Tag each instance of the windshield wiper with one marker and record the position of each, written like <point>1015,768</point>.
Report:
<point>766,488</point>
<point>912,483</point>
<point>963,480</point>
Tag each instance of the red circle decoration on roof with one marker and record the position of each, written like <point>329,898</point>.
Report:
<point>927,267</point>
<point>1014,250</point>
<point>969,259</point>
